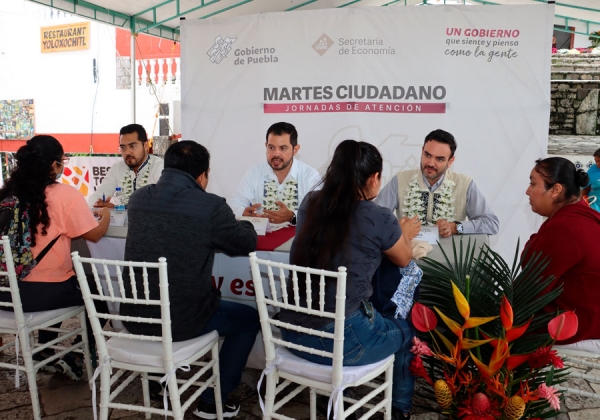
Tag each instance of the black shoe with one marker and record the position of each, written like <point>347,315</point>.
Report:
<point>208,411</point>
<point>43,355</point>
<point>397,414</point>
<point>71,365</point>
<point>156,391</point>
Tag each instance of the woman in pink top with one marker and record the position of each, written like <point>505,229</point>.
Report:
<point>55,211</point>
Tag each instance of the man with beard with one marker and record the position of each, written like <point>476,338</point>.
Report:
<point>437,195</point>
<point>274,189</point>
<point>138,168</point>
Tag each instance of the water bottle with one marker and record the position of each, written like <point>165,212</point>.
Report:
<point>117,200</point>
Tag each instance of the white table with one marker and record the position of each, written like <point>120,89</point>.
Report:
<point>232,274</point>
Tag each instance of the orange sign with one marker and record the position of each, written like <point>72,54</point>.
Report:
<point>74,36</point>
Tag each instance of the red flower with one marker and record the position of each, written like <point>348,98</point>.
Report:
<point>479,407</point>
<point>423,318</point>
<point>418,370</point>
<point>420,348</point>
<point>563,326</point>
<point>544,356</point>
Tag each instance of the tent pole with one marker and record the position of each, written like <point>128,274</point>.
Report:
<point>133,74</point>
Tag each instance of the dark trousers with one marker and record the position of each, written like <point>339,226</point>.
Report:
<point>40,296</point>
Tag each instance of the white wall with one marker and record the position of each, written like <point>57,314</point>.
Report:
<point>66,98</point>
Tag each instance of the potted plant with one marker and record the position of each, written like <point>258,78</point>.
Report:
<point>487,341</point>
<point>595,39</point>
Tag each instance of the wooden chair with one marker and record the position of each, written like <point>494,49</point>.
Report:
<point>285,367</point>
<point>148,357</point>
<point>23,325</point>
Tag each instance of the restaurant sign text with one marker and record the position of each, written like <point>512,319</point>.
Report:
<point>74,36</point>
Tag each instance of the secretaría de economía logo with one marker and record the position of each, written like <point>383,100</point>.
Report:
<point>322,44</point>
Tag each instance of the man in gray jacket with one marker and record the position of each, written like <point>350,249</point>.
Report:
<point>176,218</point>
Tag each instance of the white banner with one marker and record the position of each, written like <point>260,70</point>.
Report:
<point>86,173</point>
<point>386,75</point>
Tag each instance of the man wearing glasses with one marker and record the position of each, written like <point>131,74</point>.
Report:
<point>138,168</point>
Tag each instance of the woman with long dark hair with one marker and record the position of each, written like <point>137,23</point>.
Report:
<point>56,211</point>
<point>569,237</point>
<point>340,225</point>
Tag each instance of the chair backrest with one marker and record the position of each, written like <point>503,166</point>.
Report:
<point>10,284</point>
<point>311,280</point>
<point>135,274</point>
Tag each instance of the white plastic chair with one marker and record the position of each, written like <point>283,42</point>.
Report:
<point>282,365</point>
<point>584,353</point>
<point>24,324</point>
<point>150,357</point>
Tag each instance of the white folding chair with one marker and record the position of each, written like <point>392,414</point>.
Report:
<point>151,357</point>
<point>281,364</point>
<point>24,324</point>
<point>581,355</point>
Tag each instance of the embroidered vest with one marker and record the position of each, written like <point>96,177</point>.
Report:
<point>287,193</point>
<point>448,201</point>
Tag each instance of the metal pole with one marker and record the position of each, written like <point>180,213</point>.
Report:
<point>133,75</point>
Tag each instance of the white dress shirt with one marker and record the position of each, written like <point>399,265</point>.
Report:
<point>256,183</point>
<point>121,175</point>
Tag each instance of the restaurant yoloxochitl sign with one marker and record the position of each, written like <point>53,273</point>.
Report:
<point>74,36</point>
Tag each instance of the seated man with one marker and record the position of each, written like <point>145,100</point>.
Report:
<point>138,168</point>
<point>437,195</point>
<point>179,220</point>
<point>275,188</point>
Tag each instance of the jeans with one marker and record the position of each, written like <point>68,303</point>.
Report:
<point>238,324</point>
<point>368,339</point>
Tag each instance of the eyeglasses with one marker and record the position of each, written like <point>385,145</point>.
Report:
<point>132,146</point>
<point>63,161</point>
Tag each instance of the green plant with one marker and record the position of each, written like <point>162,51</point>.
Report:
<point>595,38</point>
<point>493,351</point>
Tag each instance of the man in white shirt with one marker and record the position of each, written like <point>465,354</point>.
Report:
<point>437,195</point>
<point>275,188</point>
<point>137,169</point>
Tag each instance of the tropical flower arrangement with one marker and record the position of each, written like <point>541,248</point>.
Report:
<point>499,364</point>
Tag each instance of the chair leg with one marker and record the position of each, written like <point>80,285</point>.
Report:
<point>217,384</point>
<point>387,414</point>
<point>339,407</point>
<point>313,404</point>
<point>87,356</point>
<point>146,392</point>
<point>270,395</point>
<point>31,374</point>
<point>172,389</point>
<point>104,391</point>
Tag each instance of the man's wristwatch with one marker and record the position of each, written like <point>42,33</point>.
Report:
<point>459,228</point>
<point>293,221</point>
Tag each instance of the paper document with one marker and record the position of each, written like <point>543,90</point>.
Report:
<point>428,234</point>
<point>261,224</point>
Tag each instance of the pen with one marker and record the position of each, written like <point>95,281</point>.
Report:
<point>103,198</point>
